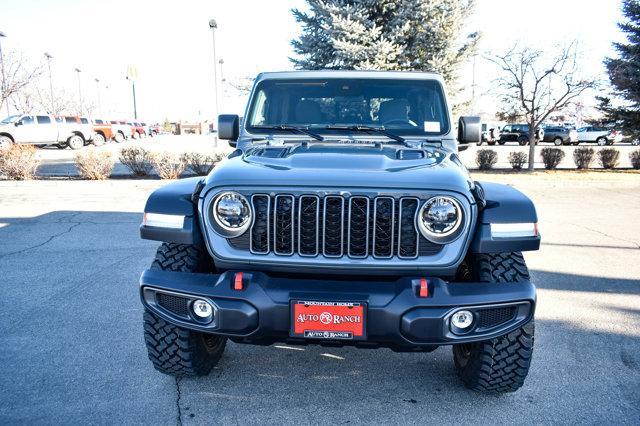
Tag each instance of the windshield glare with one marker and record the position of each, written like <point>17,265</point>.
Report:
<point>10,119</point>
<point>404,107</point>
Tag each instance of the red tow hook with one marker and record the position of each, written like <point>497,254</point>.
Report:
<point>424,288</point>
<point>237,282</point>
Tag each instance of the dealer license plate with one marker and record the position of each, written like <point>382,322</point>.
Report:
<point>328,320</point>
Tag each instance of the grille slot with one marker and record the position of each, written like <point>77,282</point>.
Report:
<point>335,226</point>
<point>259,232</point>
<point>174,304</point>
<point>283,224</point>
<point>493,317</point>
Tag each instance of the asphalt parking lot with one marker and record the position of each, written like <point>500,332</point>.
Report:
<point>71,324</point>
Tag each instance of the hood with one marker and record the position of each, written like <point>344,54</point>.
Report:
<point>343,166</point>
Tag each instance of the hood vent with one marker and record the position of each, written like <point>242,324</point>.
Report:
<point>410,154</point>
<point>277,152</point>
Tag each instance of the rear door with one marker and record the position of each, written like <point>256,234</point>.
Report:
<point>45,129</point>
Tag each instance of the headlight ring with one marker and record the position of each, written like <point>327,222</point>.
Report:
<point>440,219</point>
<point>231,214</point>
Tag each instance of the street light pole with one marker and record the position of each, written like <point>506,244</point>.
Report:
<point>213,25</point>
<point>2,35</point>
<point>221,62</point>
<point>49,57</point>
<point>98,92</point>
<point>78,70</point>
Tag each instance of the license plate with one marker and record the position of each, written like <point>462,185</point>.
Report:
<point>328,320</point>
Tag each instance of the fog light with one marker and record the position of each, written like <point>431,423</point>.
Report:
<point>462,320</point>
<point>202,309</point>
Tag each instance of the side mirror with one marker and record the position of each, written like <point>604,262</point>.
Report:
<point>469,129</point>
<point>18,123</point>
<point>229,128</point>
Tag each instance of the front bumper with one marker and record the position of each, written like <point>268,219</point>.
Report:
<point>396,316</point>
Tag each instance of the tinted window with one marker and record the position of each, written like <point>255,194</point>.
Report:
<point>70,120</point>
<point>84,120</point>
<point>43,119</point>
<point>98,121</point>
<point>27,119</point>
<point>406,107</point>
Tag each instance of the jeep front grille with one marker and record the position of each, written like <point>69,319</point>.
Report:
<point>334,226</point>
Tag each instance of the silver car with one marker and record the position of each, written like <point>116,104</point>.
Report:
<point>601,135</point>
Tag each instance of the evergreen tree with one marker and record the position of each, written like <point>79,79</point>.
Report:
<point>420,35</point>
<point>624,74</point>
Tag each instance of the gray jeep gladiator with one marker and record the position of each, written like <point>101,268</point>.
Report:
<point>344,216</point>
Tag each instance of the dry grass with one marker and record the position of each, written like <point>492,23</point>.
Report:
<point>95,165</point>
<point>168,165</point>
<point>18,162</point>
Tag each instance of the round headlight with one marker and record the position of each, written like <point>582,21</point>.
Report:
<point>440,219</point>
<point>232,213</point>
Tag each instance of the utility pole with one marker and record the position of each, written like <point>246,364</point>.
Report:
<point>49,57</point>
<point>132,74</point>
<point>78,70</point>
<point>221,62</point>
<point>213,25</point>
<point>2,35</point>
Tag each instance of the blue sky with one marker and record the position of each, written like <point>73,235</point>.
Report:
<point>170,43</point>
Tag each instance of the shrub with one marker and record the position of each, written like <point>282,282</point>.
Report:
<point>138,160</point>
<point>168,165</point>
<point>608,158</point>
<point>200,164</point>
<point>583,157</point>
<point>634,156</point>
<point>95,165</point>
<point>551,157</point>
<point>18,162</point>
<point>517,159</point>
<point>486,159</point>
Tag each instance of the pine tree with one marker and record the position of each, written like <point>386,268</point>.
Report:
<point>419,35</point>
<point>624,74</point>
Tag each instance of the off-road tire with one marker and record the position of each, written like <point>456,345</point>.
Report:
<point>523,140</point>
<point>501,364</point>
<point>174,350</point>
<point>119,137</point>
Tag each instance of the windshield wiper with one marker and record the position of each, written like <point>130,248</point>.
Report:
<point>367,129</point>
<point>290,128</point>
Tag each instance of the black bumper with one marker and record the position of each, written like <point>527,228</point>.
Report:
<point>396,316</point>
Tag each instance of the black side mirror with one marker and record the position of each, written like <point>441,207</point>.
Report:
<point>229,128</point>
<point>469,129</point>
<point>18,123</point>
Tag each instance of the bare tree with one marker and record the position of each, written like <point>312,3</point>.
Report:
<point>536,86</point>
<point>18,74</point>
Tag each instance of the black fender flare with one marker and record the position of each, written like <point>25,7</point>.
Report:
<point>503,204</point>
<point>177,199</point>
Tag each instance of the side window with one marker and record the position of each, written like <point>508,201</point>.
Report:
<point>99,122</point>
<point>84,120</point>
<point>27,119</point>
<point>258,116</point>
<point>43,119</point>
<point>70,120</point>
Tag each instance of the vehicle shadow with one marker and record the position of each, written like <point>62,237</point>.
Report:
<point>73,351</point>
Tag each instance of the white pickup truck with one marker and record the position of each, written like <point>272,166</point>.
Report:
<point>45,129</point>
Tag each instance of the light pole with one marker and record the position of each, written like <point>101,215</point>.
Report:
<point>135,107</point>
<point>2,35</point>
<point>78,70</point>
<point>214,25</point>
<point>98,93</point>
<point>221,62</point>
<point>49,57</point>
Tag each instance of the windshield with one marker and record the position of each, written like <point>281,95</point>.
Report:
<point>10,119</point>
<point>405,107</point>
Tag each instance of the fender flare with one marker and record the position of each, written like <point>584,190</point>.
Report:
<point>174,199</point>
<point>504,205</point>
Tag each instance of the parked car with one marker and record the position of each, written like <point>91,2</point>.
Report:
<point>490,133</point>
<point>600,135</point>
<point>137,130</point>
<point>343,222</point>
<point>560,135</point>
<point>102,131</point>
<point>45,129</point>
<point>518,133</point>
<point>154,130</point>
<point>121,130</point>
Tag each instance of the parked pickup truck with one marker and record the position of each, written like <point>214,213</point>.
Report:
<point>121,131</point>
<point>102,131</point>
<point>343,223</point>
<point>45,130</point>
